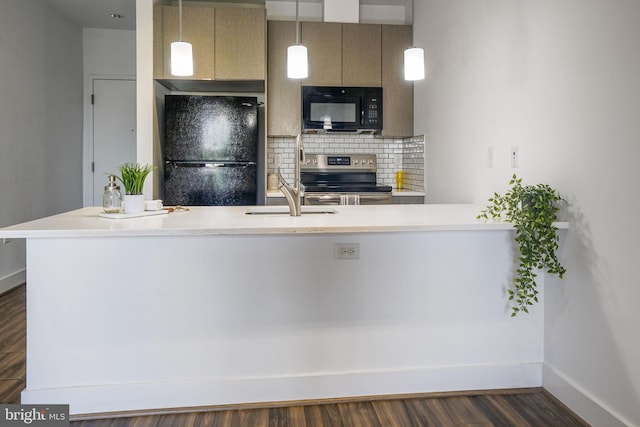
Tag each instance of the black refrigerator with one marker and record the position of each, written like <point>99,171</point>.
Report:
<point>210,150</point>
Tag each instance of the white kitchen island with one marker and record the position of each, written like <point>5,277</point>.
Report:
<point>214,307</point>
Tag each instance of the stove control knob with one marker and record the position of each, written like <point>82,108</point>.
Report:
<point>370,161</point>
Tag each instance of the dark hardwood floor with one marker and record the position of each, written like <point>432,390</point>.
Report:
<point>531,407</point>
<point>528,407</point>
<point>13,344</point>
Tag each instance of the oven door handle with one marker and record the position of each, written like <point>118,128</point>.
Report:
<point>321,199</point>
<point>347,198</point>
<point>375,198</point>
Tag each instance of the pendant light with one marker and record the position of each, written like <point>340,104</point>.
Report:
<point>181,52</point>
<point>297,62</point>
<point>414,63</point>
<point>413,58</point>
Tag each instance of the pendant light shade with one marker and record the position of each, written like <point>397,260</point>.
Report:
<point>414,64</point>
<point>181,52</point>
<point>181,59</point>
<point>297,62</point>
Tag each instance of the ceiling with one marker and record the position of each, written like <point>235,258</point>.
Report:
<point>96,13</point>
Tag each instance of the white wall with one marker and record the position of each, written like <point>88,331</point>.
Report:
<point>40,120</point>
<point>107,54</point>
<point>560,80</point>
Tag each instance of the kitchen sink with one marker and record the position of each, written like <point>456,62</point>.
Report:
<point>284,210</point>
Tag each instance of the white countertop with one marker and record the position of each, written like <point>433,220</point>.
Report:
<point>233,220</point>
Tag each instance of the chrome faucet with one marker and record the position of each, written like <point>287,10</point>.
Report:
<point>294,193</point>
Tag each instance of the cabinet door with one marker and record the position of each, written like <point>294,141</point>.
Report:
<point>397,96</point>
<point>361,55</point>
<point>283,94</point>
<point>240,43</point>
<point>158,43</point>
<point>324,47</point>
<point>197,29</point>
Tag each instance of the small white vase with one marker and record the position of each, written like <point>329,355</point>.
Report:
<point>133,203</point>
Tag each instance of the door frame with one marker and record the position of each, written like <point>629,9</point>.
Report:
<point>87,134</point>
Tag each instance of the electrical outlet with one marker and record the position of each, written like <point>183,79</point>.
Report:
<point>346,251</point>
<point>490,163</point>
<point>278,160</point>
<point>515,157</point>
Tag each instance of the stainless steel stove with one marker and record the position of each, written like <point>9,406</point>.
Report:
<point>342,179</point>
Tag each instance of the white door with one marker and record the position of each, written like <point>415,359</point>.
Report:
<point>114,130</point>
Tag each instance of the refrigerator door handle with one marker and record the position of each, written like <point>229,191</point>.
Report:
<point>211,165</point>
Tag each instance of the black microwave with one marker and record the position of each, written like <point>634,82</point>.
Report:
<point>341,109</point>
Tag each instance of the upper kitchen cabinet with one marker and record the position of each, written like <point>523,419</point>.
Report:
<point>398,93</point>
<point>240,43</point>
<point>324,48</point>
<point>343,54</point>
<point>361,55</point>
<point>228,42</point>
<point>283,94</point>
<point>198,29</point>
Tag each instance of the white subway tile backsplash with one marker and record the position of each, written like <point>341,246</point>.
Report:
<point>393,154</point>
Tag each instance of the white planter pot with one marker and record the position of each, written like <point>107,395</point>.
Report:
<point>133,203</point>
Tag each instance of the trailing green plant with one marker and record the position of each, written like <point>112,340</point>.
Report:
<point>532,211</point>
<point>132,176</point>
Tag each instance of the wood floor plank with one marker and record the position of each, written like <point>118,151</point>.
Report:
<point>13,340</point>
<point>251,417</point>
<point>287,417</point>
<point>13,366</point>
<point>499,412</point>
<point>10,390</point>
<point>549,411</point>
<point>17,344</point>
<point>392,413</point>
<point>463,410</point>
<point>428,412</point>
<point>329,416</point>
<point>358,414</point>
<point>13,303</point>
<point>222,418</point>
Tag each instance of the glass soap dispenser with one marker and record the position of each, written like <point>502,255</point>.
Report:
<point>112,198</point>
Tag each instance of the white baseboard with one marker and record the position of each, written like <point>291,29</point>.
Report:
<point>580,401</point>
<point>13,280</point>
<point>211,392</point>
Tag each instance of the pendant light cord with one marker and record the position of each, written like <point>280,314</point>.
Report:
<point>297,26</point>
<point>413,18</point>
<point>180,18</point>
